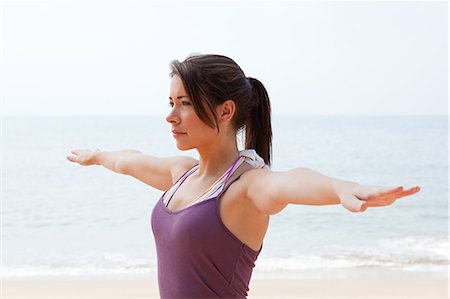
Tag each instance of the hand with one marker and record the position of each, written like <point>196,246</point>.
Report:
<point>84,157</point>
<point>360,197</point>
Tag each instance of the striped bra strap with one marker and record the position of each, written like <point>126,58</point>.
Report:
<point>180,181</point>
<point>218,185</point>
<point>212,191</point>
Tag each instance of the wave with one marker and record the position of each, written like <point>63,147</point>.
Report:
<point>418,253</point>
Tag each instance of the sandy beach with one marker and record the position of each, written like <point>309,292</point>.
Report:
<point>259,288</point>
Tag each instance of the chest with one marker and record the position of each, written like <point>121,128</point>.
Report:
<point>232,210</point>
<point>188,194</point>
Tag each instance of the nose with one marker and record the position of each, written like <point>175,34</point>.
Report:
<point>172,117</point>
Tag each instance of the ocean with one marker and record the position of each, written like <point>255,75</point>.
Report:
<point>62,220</point>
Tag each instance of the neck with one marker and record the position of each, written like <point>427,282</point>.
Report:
<point>216,158</point>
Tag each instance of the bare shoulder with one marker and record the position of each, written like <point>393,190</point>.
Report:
<point>259,189</point>
<point>181,165</point>
<point>250,180</point>
<point>253,175</point>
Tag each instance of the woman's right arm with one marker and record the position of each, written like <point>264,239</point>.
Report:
<point>160,173</point>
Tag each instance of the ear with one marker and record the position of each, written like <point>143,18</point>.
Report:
<point>226,111</point>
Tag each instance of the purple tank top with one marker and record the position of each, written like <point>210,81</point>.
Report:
<point>198,257</point>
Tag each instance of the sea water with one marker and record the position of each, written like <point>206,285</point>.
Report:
<point>61,219</point>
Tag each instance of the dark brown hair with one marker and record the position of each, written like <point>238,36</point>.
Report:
<point>210,80</point>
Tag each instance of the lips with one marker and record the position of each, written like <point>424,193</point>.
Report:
<point>178,132</point>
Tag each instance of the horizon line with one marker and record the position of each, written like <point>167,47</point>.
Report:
<point>160,115</point>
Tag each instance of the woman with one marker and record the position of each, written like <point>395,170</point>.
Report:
<point>210,223</point>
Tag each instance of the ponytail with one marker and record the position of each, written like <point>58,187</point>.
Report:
<point>258,128</point>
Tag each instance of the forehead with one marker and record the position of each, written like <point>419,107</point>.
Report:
<point>176,85</point>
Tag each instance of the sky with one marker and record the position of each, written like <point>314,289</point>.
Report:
<point>315,58</point>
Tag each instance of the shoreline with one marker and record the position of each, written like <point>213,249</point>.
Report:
<point>306,274</point>
<point>431,288</point>
<point>380,284</point>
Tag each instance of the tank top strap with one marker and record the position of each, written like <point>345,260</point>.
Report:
<point>235,175</point>
<point>216,188</point>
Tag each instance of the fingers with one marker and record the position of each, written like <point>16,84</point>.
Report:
<point>380,203</point>
<point>388,200</point>
<point>363,207</point>
<point>385,192</point>
<point>410,191</point>
<point>397,192</point>
<point>354,204</point>
<point>79,151</point>
<point>404,193</point>
<point>74,157</point>
<point>382,198</point>
<point>377,197</point>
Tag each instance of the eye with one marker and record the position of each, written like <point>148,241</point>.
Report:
<point>186,103</point>
<point>170,104</point>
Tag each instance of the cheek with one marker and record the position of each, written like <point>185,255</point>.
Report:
<point>197,128</point>
<point>196,124</point>
<point>202,132</point>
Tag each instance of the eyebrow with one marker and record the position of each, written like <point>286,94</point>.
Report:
<point>180,97</point>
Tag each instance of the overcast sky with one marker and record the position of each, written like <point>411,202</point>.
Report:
<point>112,58</point>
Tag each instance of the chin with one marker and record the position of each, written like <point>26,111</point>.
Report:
<point>183,147</point>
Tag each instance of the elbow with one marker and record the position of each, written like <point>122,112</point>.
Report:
<point>123,164</point>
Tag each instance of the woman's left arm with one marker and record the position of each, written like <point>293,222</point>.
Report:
<point>272,191</point>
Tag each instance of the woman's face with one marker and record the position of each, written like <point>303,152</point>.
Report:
<point>193,131</point>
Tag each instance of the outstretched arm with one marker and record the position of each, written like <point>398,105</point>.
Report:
<point>109,160</point>
<point>271,190</point>
<point>159,173</point>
